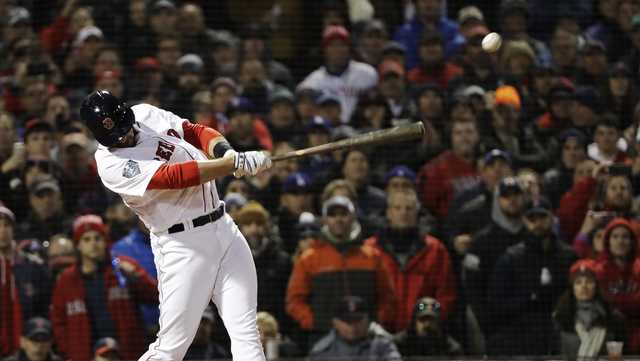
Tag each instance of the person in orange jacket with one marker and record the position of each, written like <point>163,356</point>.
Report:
<point>334,266</point>
<point>419,263</point>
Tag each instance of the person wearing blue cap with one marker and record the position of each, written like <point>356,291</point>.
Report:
<point>400,178</point>
<point>36,342</point>
<point>296,197</point>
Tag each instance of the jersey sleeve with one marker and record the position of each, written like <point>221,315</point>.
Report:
<point>126,176</point>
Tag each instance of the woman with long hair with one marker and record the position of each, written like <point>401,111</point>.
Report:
<point>584,319</point>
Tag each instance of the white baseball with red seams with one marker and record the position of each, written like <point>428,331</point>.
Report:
<point>210,262</point>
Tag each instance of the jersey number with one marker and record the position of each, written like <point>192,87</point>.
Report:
<point>164,151</point>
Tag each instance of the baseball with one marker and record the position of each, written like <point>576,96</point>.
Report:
<point>491,42</point>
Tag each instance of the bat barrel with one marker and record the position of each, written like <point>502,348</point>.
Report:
<point>384,136</point>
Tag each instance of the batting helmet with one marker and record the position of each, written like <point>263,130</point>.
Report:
<point>108,118</point>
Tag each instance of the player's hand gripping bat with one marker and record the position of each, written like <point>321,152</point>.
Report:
<point>384,136</point>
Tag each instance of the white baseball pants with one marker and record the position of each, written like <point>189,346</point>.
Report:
<point>211,262</point>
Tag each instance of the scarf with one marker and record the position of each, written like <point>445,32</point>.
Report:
<point>10,313</point>
<point>590,341</point>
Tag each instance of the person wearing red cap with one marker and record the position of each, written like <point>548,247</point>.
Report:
<point>619,276</point>
<point>94,299</point>
<point>341,76</point>
<point>585,320</point>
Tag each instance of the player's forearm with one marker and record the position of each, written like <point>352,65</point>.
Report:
<point>215,168</point>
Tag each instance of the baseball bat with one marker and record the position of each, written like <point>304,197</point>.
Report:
<point>383,136</point>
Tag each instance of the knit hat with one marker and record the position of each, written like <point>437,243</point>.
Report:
<point>88,222</point>
<point>252,212</point>
<point>508,95</point>
<point>583,267</point>
<point>515,48</point>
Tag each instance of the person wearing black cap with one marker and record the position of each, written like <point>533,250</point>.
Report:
<point>504,230</point>
<point>36,342</point>
<point>282,121</point>
<point>189,82</point>
<point>527,281</point>
<point>46,215</point>
<point>427,334</point>
<point>371,41</point>
<point>558,110</point>
<point>593,67</point>
<point>353,335</point>
<point>586,109</point>
<point>162,18</point>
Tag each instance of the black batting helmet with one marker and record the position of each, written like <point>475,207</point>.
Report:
<point>108,118</point>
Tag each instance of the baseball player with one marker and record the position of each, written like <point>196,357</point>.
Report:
<point>164,168</point>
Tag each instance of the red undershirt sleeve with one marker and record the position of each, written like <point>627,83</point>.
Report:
<point>176,176</point>
<point>198,135</point>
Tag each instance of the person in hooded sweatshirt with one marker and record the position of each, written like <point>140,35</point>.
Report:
<point>505,230</point>
<point>426,334</point>
<point>619,276</point>
<point>586,321</point>
<point>525,286</point>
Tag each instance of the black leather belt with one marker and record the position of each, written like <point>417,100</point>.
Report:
<point>200,221</point>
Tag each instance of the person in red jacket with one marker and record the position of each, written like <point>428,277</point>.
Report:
<point>92,301</point>
<point>601,191</point>
<point>619,276</point>
<point>419,263</point>
<point>452,171</point>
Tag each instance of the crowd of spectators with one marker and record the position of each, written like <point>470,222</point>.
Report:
<point>510,228</point>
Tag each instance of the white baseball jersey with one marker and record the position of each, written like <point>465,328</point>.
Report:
<point>357,78</point>
<point>128,171</point>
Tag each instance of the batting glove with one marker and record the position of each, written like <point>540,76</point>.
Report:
<point>250,163</point>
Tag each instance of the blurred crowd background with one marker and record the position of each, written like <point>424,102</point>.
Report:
<point>509,229</point>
